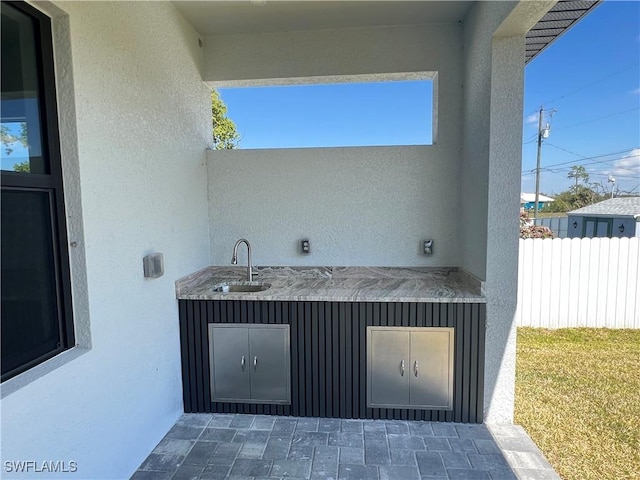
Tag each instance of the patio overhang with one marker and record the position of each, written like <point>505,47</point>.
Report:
<point>555,22</point>
<point>237,17</point>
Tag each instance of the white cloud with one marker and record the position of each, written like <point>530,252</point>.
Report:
<point>627,165</point>
<point>533,118</point>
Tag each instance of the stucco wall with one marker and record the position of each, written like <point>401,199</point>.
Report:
<point>143,124</point>
<point>479,26</point>
<point>475,141</point>
<point>357,206</point>
<point>259,58</point>
<point>505,145</point>
<point>490,181</point>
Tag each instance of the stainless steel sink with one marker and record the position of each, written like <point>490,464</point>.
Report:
<point>242,287</point>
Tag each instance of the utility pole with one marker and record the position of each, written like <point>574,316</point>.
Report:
<point>535,206</point>
<point>542,134</point>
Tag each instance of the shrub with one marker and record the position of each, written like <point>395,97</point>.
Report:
<point>529,230</point>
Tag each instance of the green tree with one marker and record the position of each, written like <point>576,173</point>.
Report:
<point>8,139</point>
<point>225,136</point>
<point>578,173</point>
<point>24,167</point>
<point>583,195</point>
<point>577,196</point>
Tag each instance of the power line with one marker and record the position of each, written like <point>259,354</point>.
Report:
<point>603,161</point>
<point>571,92</point>
<point>562,171</point>
<point>597,156</point>
<point>594,157</point>
<point>592,172</point>
<point>577,162</point>
<point>565,150</point>
<point>581,162</point>
<point>615,167</point>
<point>605,175</point>
<point>599,118</point>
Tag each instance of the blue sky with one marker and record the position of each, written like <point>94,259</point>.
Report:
<point>590,76</point>
<point>345,114</point>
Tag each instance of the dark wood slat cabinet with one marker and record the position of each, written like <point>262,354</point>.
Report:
<point>328,356</point>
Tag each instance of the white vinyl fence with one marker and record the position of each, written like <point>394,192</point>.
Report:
<point>579,282</point>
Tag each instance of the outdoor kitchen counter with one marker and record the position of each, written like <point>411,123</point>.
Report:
<point>338,284</point>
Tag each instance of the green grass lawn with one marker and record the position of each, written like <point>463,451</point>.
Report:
<point>578,397</point>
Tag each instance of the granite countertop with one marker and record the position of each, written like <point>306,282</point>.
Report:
<point>338,284</point>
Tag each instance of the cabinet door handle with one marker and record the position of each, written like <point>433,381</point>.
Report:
<point>415,368</point>
<point>402,368</point>
<point>255,363</point>
<point>242,363</point>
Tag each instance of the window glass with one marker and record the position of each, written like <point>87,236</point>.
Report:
<point>29,305</point>
<point>21,137</point>
<point>36,308</point>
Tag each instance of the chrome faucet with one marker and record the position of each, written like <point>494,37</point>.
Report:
<point>234,259</point>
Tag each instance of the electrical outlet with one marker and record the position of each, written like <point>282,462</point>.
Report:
<point>427,247</point>
<point>305,246</point>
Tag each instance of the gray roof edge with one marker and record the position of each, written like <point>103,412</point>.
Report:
<point>613,207</point>
<point>564,30</point>
<point>575,213</point>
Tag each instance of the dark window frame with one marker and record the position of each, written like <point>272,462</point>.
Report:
<point>51,183</point>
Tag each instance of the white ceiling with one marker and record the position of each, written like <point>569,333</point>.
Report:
<point>243,16</point>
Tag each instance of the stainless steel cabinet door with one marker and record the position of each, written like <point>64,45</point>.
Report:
<point>432,368</point>
<point>269,354</point>
<point>410,367</point>
<point>388,367</point>
<point>229,356</point>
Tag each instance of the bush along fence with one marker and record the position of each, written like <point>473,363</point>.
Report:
<point>579,282</point>
<point>558,225</point>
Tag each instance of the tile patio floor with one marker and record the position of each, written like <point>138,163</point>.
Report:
<point>228,446</point>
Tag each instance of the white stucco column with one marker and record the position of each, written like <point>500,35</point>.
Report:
<point>505,154</point>
<point>494,43</point>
